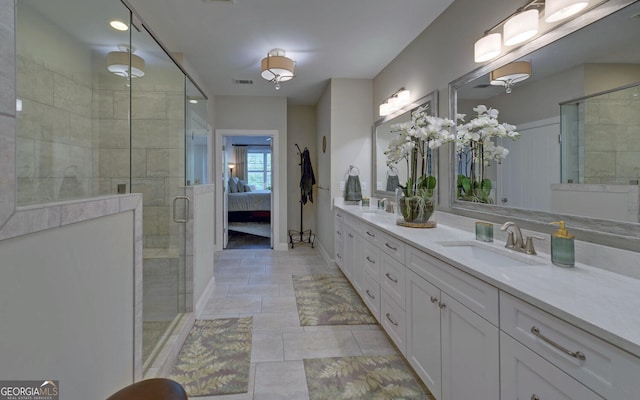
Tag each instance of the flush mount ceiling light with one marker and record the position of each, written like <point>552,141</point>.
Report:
<point>395,102</point>
<point>119,25</point>
<point>118,63</point>
<point>521,27</point>
<point>276,67</point>
<point>557,10</point>
<point>510,74</point>
<point>487,47</point>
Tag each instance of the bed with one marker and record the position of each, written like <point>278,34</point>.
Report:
<point>249,206</point>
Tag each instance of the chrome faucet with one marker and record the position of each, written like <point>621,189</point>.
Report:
<point>515,241</point>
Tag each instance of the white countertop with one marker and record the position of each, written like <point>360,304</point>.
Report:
<point>601,302</point>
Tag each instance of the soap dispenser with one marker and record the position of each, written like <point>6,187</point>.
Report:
<point>562,247</point>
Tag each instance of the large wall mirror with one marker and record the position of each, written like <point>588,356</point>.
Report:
<point>578,115</point>
<point>385,178</point>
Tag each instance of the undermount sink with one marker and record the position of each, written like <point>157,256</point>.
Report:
<point>373,211</point>
<point>490,255</point>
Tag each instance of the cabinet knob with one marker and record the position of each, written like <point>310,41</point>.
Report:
<point>434,299</point>
<point>351,236</point>
<point>442,306</point>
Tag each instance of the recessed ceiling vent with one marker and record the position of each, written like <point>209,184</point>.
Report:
<point>243,81</point>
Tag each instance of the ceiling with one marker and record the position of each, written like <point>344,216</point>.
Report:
<point>225,40</point>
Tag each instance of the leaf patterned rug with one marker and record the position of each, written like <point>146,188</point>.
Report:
<point>215,358</point>
<point>362,378</point>
<point>329,299</point>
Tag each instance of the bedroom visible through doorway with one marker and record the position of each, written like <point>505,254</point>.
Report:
<point>248,195</point>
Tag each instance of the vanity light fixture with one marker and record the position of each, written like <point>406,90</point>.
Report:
<point>557,10</point>
<point>487,47</point>
<point>510,74</point>
<point>119,25</point>
<point>276,67</point>
<point>395,102</point>
<point>521,27</point>
<point>118,63</point>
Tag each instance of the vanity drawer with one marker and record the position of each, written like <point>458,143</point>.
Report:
<point>354,224</point>
<point>371,234</point>
<point>525,375</point>
<point>392,319</point>
<point>477,295</point>
<point>604,368</point>
<point>393,279</point>
<point>372,260</point>
<point>370,294</point>
<point>392,246</point>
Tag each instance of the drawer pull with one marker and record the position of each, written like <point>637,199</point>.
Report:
<point>339,256</point>
<point>575,354</point>
<point>434,299</point>
<point>391,320</point>
<point>442,306</point>
<point>391,278</point>
<point>369,294</point>
<point>535,397</point>
<point>391,247</point>
<point>370,234</point>
<point>339,215</point>
<point>351,236</point>
<point>339,233</point>
<point>370,260</point>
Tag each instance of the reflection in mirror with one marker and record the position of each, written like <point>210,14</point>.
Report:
<point>386,178</point>
<point>197,134</point>
<point>583,92</point>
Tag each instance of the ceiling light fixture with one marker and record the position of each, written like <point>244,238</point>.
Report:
<point>395,102</point>
<point>510,74</point>
<point>118,63</point>
<point>276,67</point>
<point>520,27</point>
<point>557,10</point>
<point>119,25</point>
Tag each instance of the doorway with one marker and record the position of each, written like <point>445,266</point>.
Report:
<point>248,168</point>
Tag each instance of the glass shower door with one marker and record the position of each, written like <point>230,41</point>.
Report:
<point>158,172</point>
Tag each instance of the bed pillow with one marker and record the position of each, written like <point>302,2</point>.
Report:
<point>241,185</point>
<point>247,188</point>
<point>233,185</point>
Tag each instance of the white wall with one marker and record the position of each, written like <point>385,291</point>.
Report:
<point>203,234</point>
<point>66,301</point>
<point>301,129</point>
<point>259,113</point>
<point>345,118</point>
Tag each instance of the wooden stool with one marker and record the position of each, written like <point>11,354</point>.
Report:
<point>151,389</point>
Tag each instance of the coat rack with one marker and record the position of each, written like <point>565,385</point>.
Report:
<point>307,178</point>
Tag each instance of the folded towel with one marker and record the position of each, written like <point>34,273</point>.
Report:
<point>392,183</point>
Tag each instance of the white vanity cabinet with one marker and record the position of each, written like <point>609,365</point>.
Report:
<point>352,252</point>
<point>603,368</point>
<point>452,348</point>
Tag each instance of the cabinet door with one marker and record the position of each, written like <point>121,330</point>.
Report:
<point>525,375</point>
<point>353,255</point>
<point>339,243</point>
<point>470,353</point>
<point>423,331</point>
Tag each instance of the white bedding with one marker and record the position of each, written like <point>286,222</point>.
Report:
<point>257,200</point>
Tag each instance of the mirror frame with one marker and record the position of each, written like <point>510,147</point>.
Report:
<point>619,234</point>
<point>433,99</point>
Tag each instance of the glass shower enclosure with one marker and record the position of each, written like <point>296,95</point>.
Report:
<point>101,111</point>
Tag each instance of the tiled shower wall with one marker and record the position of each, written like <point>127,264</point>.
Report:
<point>611,131</point>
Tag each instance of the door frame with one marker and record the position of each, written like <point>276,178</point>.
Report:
<point>220,173</point>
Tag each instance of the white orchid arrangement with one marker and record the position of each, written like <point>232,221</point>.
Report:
<point>414,143</point>
<point>476,150</point>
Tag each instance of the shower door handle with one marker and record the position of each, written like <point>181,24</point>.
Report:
<point>186,209</point>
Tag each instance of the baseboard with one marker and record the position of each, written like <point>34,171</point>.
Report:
<point>202,301</point>
<point>330,260</point>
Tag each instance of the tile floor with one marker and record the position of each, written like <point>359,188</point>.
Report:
<point>258,283</point>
